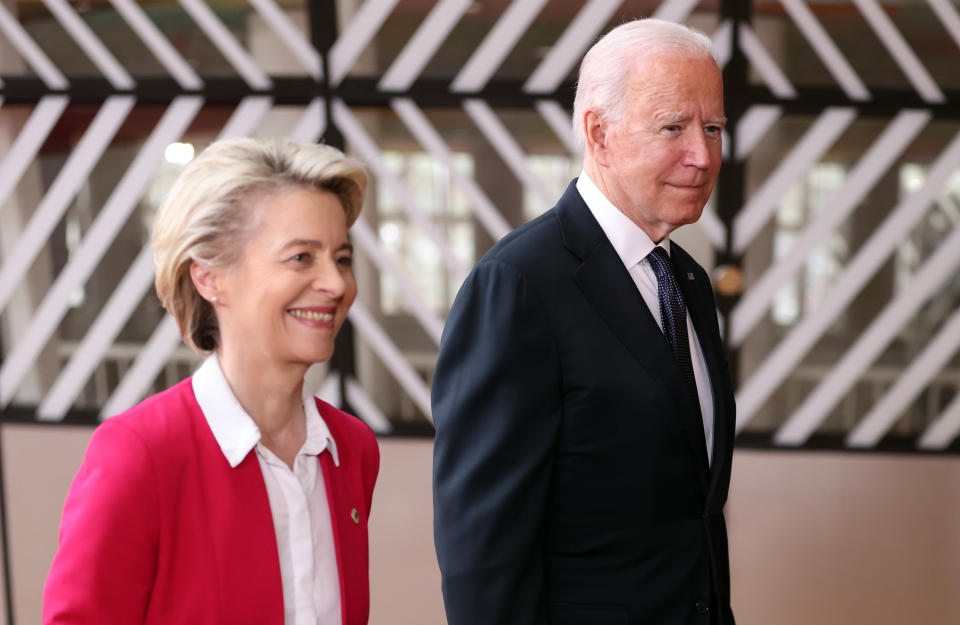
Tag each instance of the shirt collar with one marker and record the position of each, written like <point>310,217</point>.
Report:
<point>235,431</point>
<point>629,240</point>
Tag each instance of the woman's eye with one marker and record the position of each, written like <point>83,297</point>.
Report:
<point>346,261</point>
<point>301,257</point>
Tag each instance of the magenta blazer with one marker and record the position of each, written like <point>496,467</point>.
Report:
<point>158,529</point>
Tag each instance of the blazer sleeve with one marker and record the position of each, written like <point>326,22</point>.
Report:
<point>496,406</point>
<point>105,564</point>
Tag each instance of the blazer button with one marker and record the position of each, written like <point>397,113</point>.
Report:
<point>702,606</point>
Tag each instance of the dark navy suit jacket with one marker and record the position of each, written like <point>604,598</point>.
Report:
<point>569,486</point>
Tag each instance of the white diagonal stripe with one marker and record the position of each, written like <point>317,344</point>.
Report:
<point>871,343</point>
<point>227,44</point>
<point>815,142</point>
<point>312,122</point>
<point>426,134</point>
<point>168,56</point>
<point>569,49</point>
<point>828,52</point>
<point>881,155</point>
<point>764,64</point>
<point>290,36</point>
<point>423,45</point>
<point>359,139</point>
<point>912,68</point>
<point>754,124</point>
<point>944,429</point>
<point>560,123</point>
<point>56,200</point>
<point>496,45</point>
<point>908,386</point>
<point>721,43</point>
<point>506,146</point>
<point>356,37</point>
<point>113,316</point>
<point>715,230</point>
<point>949,17</point>
<point>871,256</point>
<point>330,389</point>
<point>368,241</point>
<point>90,44</point>
<point>366,408</point>
<point>100,235</point>
<point>31,52</point>
<point>246,116</point>
<point>138,378</point>
<point>24,149</point>
<point>675,10</point>
<point>392,357</point>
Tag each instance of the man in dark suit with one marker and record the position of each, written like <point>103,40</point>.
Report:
<point>583,405</point>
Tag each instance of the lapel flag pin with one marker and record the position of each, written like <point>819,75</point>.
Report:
<point>355,516</point>
<point>689,276</point>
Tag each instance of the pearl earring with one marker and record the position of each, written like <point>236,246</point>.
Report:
<point>213,299</point>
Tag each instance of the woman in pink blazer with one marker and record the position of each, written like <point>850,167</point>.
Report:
<point>234,498</point>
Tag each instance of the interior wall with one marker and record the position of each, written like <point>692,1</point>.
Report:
<point>816,538</point>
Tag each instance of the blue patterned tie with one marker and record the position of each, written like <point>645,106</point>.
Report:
<point>673,316</point>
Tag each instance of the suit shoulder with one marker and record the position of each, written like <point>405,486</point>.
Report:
<point>526,246</point>
<point>161,421</point>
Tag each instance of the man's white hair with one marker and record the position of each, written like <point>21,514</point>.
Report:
<point>606,66</point>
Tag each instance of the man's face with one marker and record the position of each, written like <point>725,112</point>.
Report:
<point>660,161</point>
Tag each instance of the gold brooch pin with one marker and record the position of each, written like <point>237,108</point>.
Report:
<point>355,516</point>
<point>689,276</point>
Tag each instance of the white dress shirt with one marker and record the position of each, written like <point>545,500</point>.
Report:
<point>298,498</point>
<point>632,246</point>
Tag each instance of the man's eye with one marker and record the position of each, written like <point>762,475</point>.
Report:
<point>672,128</point>
<point>301,257</point>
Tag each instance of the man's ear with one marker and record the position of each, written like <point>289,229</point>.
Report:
<point>596,135</point>
<point>206,281</point>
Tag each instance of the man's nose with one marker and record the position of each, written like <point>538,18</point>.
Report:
<point>698,153</point>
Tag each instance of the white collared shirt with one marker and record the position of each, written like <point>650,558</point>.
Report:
<point>298,498</point>
<point>633,245</point>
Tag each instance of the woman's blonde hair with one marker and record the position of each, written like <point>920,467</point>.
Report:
<point>207,215</point>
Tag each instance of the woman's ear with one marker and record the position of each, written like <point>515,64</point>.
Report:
<point>206,281</point>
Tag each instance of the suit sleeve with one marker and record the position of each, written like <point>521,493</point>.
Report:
<point>105,564</point>
<point>496,406</point>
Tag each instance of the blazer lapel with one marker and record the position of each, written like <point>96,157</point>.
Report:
<point>608,287</point>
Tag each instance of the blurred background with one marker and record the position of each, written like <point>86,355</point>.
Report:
<point>833,238</point>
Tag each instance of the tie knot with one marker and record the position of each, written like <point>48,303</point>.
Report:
<point>660,261</point>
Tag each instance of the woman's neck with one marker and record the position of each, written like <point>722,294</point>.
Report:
<point>273,397</point>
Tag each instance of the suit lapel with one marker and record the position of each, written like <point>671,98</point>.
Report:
<point>703,315</point>
<point>608,287</point>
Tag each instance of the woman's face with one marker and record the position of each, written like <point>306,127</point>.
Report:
<point>286,297</point>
